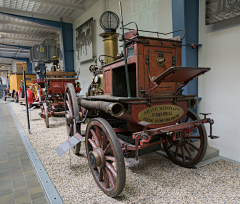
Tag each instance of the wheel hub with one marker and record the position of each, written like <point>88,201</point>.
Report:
<point>96,158</point>
<point>67,118</point>
<point>180,141</point>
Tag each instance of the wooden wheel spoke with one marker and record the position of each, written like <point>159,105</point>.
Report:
<point>110,158</point>
<point>112,169</point>
<point>188,151</point>
<point>183,154</point>
<point>108,149</point>
<point>69,107</point>
<point>170,146</point>
<point>104,141</point>
<point>101,174</point>
<point>92,143</point>
<point>110,177</point>
<point>98,133</point>
<point>106,180</point>
<point>95,137</point>
<point>176,151</point>
<point>193,146</point>
<point>69,99</point>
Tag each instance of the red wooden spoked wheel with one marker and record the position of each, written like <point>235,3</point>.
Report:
<point>45,112</point>
<point>71,114</point>
<point>105,157</point>
<point>189,150</point>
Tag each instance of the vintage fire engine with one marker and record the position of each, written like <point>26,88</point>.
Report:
<point>140,108</point>
<point>52,102</point>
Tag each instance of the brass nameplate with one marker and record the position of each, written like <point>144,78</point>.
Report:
<point>161,114</point>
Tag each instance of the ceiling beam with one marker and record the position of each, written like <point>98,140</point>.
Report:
<point>24,33</point>
<point>18,52</point>
<point>21,39</point>
<point>28,25</point>
<point>7,53</point>
<point>34,15</point>
<point>13,53</point>
<point>15,58</point>
<point>63,4</point>
<point>12,49</point>
<point>19,44</point>
<point>3,63</point>
<point>15,46</point>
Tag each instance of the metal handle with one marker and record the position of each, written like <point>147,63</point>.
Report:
<point>125,56</point>
<point>120,10</point>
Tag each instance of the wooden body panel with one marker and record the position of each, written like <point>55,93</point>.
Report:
<point>169,53</point>
<point>58,86</point>
<point>60,73</point>
<point>141,48</point>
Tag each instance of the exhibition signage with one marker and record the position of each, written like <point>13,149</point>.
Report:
<point>70,143</point>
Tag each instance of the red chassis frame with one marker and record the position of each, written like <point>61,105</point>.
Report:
<point>52,110</point>
<point>147,134</point>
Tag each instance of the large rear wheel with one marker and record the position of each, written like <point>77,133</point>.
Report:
<point>190,150</point>
<point>105,157</point>
<point>72,115</point>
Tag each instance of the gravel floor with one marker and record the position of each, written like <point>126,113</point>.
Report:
<point>156,180</point>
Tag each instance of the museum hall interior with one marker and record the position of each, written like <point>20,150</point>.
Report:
<point>119,101</point>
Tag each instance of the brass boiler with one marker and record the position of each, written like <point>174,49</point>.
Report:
<point>110,40</point>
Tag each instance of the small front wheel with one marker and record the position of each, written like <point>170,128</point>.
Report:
<point>105,157</point>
